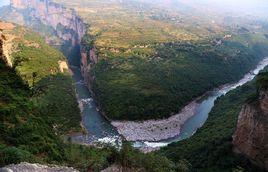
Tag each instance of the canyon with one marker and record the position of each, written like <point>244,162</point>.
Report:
<point>56,15</point>
<point>249,139</point>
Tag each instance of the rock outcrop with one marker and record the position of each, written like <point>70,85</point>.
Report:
<point>251,136</point>
<point>68,25</point>
<point>88,58</point>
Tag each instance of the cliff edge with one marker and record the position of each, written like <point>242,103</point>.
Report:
<point>250,138</point>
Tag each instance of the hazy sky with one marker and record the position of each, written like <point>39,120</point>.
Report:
<point>4,2</point>
<point>240,3</point>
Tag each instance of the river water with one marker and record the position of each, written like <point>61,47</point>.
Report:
<point>97,127</point>
<point>100,130</point>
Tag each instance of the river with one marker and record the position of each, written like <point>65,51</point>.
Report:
<point>97,127</point>
<point>100,130</point>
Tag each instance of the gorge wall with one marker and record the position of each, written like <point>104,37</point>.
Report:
<point>67,24</point>
<point>250,137</point>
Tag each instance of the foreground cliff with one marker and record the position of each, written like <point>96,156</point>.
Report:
<point>251,138</point>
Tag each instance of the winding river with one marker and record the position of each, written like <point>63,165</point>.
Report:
<point>100,130</point>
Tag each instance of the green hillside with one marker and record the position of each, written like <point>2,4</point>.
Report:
<point>157,86</point>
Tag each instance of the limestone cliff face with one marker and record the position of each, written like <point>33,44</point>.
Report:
<point>68,25</point>
<point>251,135</point>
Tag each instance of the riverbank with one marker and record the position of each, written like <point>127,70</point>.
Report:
<point>157,130</point>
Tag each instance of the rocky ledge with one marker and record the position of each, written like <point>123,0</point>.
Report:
<point>27,167</point>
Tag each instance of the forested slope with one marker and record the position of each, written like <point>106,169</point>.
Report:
<point>157,86</point>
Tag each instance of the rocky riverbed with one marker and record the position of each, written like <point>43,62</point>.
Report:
<point>27,167</point>
<point>156,130</point>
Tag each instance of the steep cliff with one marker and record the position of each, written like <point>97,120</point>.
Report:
<point>250,137</point>
<point>66,23</point>
<point>88,58</point>
<point>6,42</point>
